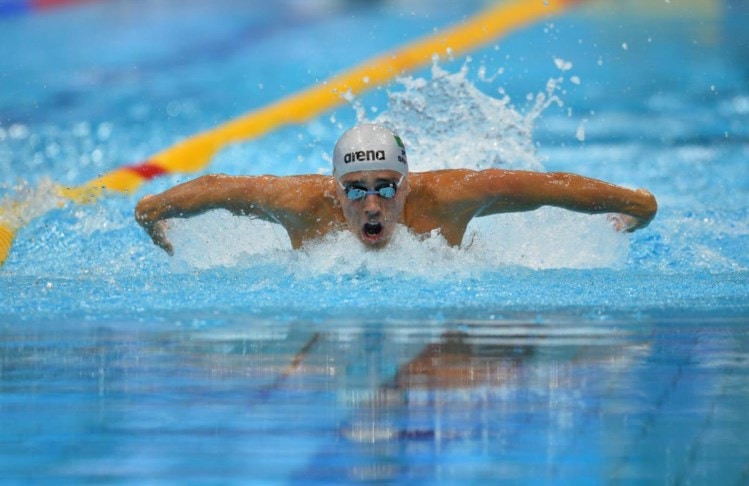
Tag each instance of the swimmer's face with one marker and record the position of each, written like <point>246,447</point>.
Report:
<point>373,217</point>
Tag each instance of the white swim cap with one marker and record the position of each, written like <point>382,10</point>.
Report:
<point>369,147</point>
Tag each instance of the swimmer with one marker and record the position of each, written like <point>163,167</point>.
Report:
<point>371,192</point>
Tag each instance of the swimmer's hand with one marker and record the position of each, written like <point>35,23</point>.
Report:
<point>147,215</point>
<point>639,218</point>
<point>623,222</point>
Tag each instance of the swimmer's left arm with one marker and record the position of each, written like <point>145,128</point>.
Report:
<point>512,191</point>
<point>301,204</point>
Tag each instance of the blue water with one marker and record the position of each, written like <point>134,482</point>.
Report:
<point>549,349</point>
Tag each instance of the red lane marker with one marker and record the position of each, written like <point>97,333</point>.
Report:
<point>146,170</point>
<point>44,4</point>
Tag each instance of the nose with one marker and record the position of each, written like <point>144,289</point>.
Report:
<point>372,205</point>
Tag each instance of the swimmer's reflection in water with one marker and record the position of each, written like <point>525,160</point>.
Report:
<point>454,363</point>
<point>446,373</point>
<point>473,384</point>
<point>372,191</point>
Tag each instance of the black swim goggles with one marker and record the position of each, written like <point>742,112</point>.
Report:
<point>355,192</point>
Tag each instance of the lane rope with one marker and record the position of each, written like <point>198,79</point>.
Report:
<point>195,153</point>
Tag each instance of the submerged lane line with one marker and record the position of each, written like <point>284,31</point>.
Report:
<point>194,153</point>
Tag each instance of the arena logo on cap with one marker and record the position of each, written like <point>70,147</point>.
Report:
<point>364,155</point>
<point>402,156</point>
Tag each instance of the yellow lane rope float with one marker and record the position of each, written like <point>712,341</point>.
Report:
<point>194,153</point>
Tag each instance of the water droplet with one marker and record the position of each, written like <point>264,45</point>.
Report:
<point>18,131</point>
<point>580,133</point>
<point>563,65</point>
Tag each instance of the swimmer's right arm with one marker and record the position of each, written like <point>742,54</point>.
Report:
<point>514,190</point>
<point>238,194</point>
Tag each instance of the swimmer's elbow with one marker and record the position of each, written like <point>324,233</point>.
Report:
<point>649,206</point>
<point>652,202</point>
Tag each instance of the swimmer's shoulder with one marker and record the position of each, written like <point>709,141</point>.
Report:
<point>450,175</point>
<point>295,193</point>
<point>300,186</point>
<point>448,183</point>
<point>312,195</point>
<point>314,186</point>
<point>455,194</point>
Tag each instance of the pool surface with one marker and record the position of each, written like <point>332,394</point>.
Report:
<point>548,349</point>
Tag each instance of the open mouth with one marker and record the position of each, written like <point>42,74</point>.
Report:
<point>372,229</point>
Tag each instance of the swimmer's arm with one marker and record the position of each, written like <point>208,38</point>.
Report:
<point>511,191</point>
<point>242,195</point>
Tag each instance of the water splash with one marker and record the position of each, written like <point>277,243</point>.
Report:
<point>24,203</point>
<point>447,116</point>
<point>447,122</point>
<point>242,240</point>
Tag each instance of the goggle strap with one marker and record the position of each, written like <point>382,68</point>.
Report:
<point>397,184</point>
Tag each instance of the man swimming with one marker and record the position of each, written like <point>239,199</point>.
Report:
<point>372,191</point>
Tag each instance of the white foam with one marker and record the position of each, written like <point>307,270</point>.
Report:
<point>547,238</point>
<point>218,238</point>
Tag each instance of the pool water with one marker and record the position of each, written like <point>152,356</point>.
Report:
<point>549,348</point>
